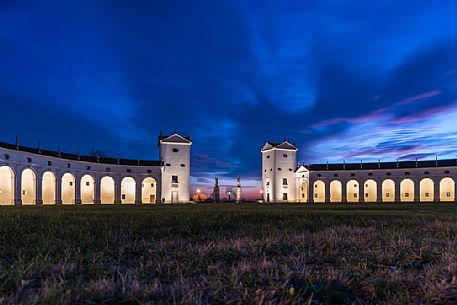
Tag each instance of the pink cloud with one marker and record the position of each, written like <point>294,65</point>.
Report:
<point>419,97</point>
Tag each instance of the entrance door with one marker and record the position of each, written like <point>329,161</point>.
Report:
<point>174,197</point>
<point>268,197</point>
<point>152,199</point>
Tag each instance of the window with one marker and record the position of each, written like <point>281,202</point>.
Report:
<point>265,171</point>
<point>427,194</point>
<point>370,174</point>
<point>24,192</point>
<point>319,175</point>
<point>355,195</point>
<point>355,185</point>
<point>406,194</point>
<point>183,165</point>
<point>387,195</point>
<point>284,181</point>
<point>388,174</point>
<point>315,186</point>
<point>108,169</point>
<point>268,183</point>
<point>29,160</point>
<point>284,196</point>
<point>123,196</point>
<point>149,171</point>
<point>290,169</point>
<point>7,157</point>
<point>426,173</point>
<point>366,184</point>
<point>168,164</point>
<point>352,175</point>
<point>271,169</point>
<point>366,194</point>
<point>71,183</point>
<point>152,184</point>
<point>448,194</point>
<point>302,195</point>
<point>128,170</point>
<point>68,165</point>
<point>174,179</point>
<point>335,175</point>
<point>279,169</point>
<point>407,173</point>
<point>87,183</point>
<point>446,172</point>
<point>268,157</point>
<point>88,167</point>
<point>315,195</point>
<point>175,150</point>
<point>284,155</point>
<point>49,163</point>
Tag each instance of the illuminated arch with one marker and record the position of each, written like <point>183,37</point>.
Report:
<point>352,188</point>
<point>336,191</point>
<point>6,185</point>
<point>28,186</point>
<point>87,189</point>
<point>68,189</point>
<point>407,190</point>
<point>370,189</point>
<point>447,190</point>
<point>149,190</point>
<point>48,187</point>
<point>107,187</point>
<point>319,191</point>
<point>427,193</point>
<point>388,190</point>
<point>304,191</point>
<point>128,186</point>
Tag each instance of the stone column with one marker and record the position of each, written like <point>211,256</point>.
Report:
<point>327,191</point>
<point>344,191</point>
<point>77,189</point>
<point>417,192</point>
<point>18,188</point>
<point>97,189</point>
<point>117,190</point>
<point>361,191</point>
<point>311,191</point>
<point>58,189</point>
<point>379,190</point>
<point>397,194</point>
<point>39,188</point>
<point>138,191</point>
<point>436,189</point>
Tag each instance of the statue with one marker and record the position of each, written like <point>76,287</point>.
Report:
<point>216,192</point>
<point>238,190</point>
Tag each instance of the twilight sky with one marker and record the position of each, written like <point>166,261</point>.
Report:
<point>345,80</point>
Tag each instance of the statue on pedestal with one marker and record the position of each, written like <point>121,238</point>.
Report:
<point>216,191</point>
<point>238,190</point>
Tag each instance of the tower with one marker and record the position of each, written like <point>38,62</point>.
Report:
<point>278,167</point>
<point>175,154</point>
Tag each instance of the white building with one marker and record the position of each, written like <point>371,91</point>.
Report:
<point>405,181</point>
<point>36,176</point>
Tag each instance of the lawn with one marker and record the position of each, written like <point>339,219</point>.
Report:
<point>220,254</point>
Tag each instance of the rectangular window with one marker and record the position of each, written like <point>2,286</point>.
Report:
<point>427,194</point>
<point>355,195</point>
<point>123,196</point>
<point>406,194</point>
<point>366,194</point>
<point>174,179</point>
<point>152,184</point>
<point>268,183</point>
<point>302,195</point>
<point>284,181</point>
<point>448,194</point>
<point>284,196</point>
<point>71,183</point>
<point>24,192</point>
<point>315,195</point>
<point>387,195</point>
<point>87,183</point>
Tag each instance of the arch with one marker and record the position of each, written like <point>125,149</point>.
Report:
<point>107,187</point>
<point>6,185</point>
<point>447,190</point>
<point>68,189</point>
<point>388,190</point>
<point>304,191</point>
<point>352,189</point>
<point>48,187</point>
<point>28,186</point>
<point>427,193</point>
<point>319,191</point>
<point>87,189</point>
<point>128,187</point>
<point>407,190</point>
<point>336,191</point>
<point>370,188</point>
<point>149,190</point>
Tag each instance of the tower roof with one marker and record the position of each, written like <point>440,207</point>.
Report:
<point>175,138</point>
<point>284,145</point>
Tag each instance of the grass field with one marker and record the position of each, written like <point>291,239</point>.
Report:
<point>221,254</point>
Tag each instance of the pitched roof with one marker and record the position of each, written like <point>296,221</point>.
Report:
<point>382,165</point>
<point>175,138</point>
<point>284,145</point>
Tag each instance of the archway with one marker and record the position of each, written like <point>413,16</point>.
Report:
<point>388,191</point>
<point>370,189</point>
<point>352,188</point>
<point>6,185</point>
<point>407,190</point>
<point>427,193</point>
<point>68,189</point>
<point>148,190</point>
<point>128,186</point>
<point>447,190</point>
<point>319,191</point>
<point>304,191</point>
<point>107,190</point>
<point>48,188</point>
<point>335,191</point>
<point>28,185</point>
<point>87,189</point>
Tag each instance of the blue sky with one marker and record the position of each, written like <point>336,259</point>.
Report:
<point>345,80</point>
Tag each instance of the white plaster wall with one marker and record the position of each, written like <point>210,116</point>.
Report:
<point>175,164</point>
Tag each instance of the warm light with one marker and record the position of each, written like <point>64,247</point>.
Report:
<point>198,191</point>
<point>261,191</point>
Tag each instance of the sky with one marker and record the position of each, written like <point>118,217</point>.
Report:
<point>343,80</point>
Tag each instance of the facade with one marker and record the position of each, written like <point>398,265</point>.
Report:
<point>405,181</point>
<point>35,176</point>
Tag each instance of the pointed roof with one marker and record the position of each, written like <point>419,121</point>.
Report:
<point>286,145</point>
<point>267,146</point>
<point>174,138</point>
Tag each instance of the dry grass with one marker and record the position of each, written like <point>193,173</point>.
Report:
<point>248,254</point>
